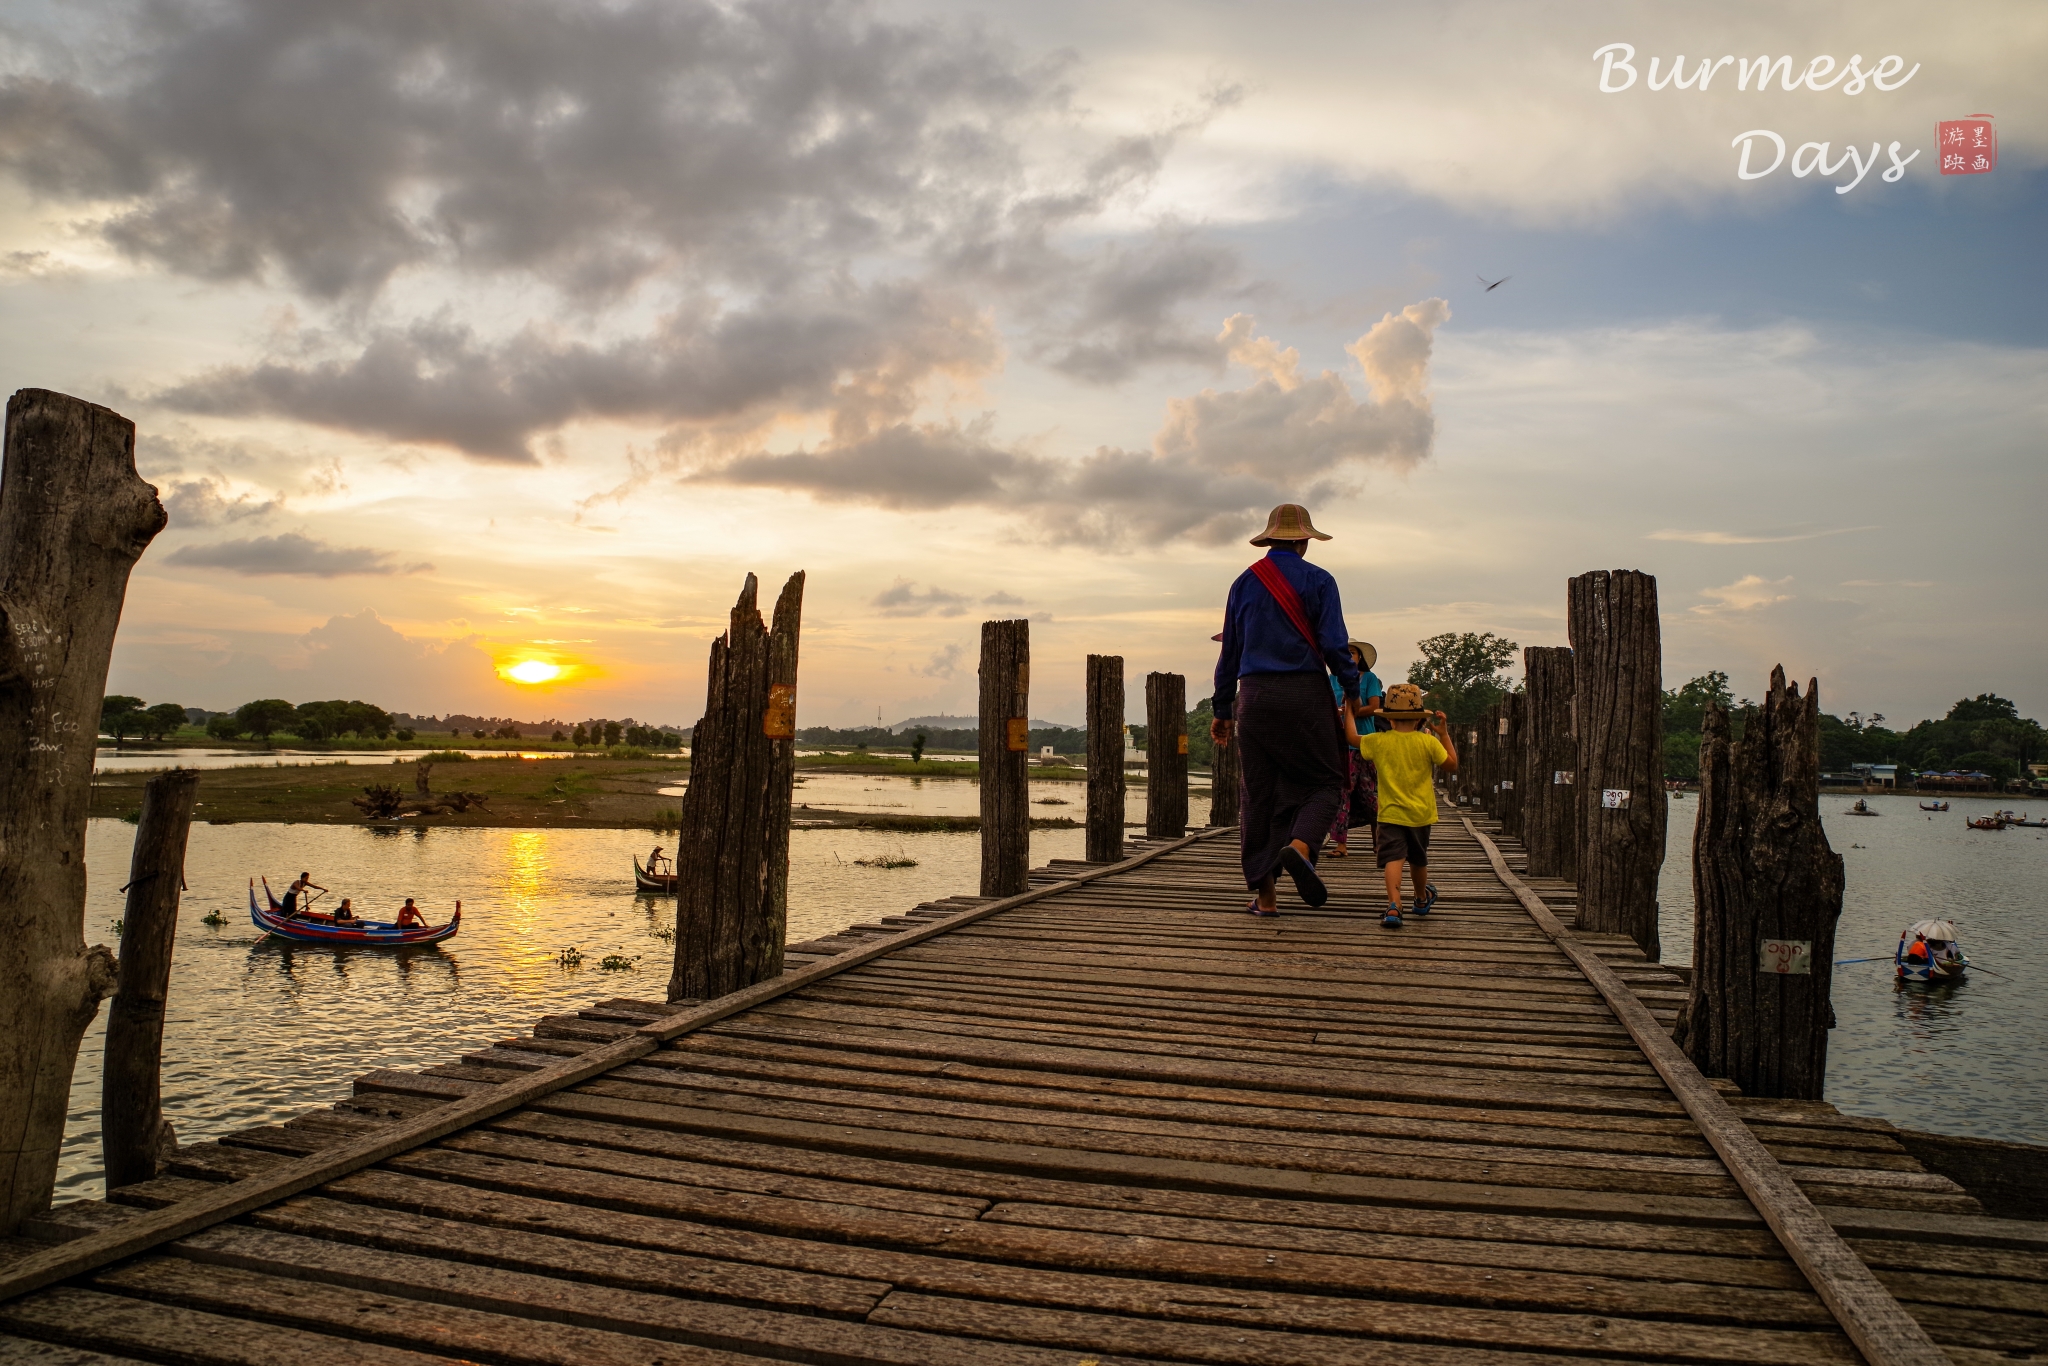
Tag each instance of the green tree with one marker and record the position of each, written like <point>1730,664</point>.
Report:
<point>121,716</point>
<point>264,718</point>
<point>1462,674</point>
<point>224,727</point>
<point>1201,749</point>
<point>917,748</point>
<point>611,733</point>
<point>1985,706</point>
<point>165,718</point>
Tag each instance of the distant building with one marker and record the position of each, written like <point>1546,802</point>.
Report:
<point>1877,775</point>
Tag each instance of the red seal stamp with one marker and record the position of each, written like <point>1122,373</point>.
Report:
<point>1968,146</point>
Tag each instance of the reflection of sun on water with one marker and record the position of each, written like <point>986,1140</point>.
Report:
<point>526,877</point>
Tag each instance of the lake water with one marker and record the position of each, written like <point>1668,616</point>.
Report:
<point>259,1030</point>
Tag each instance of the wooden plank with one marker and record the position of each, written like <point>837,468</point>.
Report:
<point>27,1352</point>
<point>1881,1329</point>
<point>171,1332</point>
<point>178,1221</point>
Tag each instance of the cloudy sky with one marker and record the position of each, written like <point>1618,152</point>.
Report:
<point>460,333</point>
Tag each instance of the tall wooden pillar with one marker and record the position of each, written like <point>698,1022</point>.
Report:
<point>1005,757</point>
<point>732,864</point>
<point>1767,891</point>
<point>74,518</point>
<point>1166,756</point>
<point>1489,760</point>
<point>1224,784</point>
<point>1511,713</point>
<point>1617,656</point>
<point>133,1133</point>
<point>1549,825</point>
<point>1105,758</point>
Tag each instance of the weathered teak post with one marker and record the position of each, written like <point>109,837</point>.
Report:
<point>1489,767</point>
<point>1767,890</point>
<point>1223,784</point>
<point>74,518</point>
<point>732,865</point>
<point>1005,757</point>
<point>133,1131</point>
<point>1166,756</point>
<point>1549,827</point>
<point>1469,785</point>
<point>1618,662</point>
<point>1105,758</point>
<point>1511,710</point>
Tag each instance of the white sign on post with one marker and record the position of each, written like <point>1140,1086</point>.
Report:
<point>1508,784</point>
<point>1782,957</point>
<point>1503,725</point>
<point>1614,798</point>
<point>1562,777</point>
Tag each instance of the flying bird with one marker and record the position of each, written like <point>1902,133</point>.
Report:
<point>1495,285</point>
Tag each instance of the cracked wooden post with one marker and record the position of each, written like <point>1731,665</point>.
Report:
<point>1224,787</point>
<point>732,844</point>
<point>1510,764</point>
<point>1166,756</point>
<point>133,1132</point>
<point>1105,758</point>
<point>1767,890</point>
<point>1617,658</point>
<point>1549,825</point>
<point>1005,757</point>
<point>74,518</point>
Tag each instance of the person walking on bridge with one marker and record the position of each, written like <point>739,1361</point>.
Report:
<point>1283,637</point>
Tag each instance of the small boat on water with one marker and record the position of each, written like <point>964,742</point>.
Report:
<point>1862,808</point>
<point>1929,952</point>
<point>1934,806</point>
<point>1991,822</point>
<point>662,883</point>
<point>2021,819</point>
<point>306,928</point>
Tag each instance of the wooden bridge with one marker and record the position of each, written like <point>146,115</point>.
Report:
<point>1111,1120</point>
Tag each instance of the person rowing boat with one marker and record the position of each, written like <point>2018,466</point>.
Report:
<point>301,885</point>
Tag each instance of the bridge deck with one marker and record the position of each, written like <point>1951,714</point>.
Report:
<point>1122,1123</point>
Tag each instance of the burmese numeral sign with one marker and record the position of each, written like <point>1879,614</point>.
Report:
<point>1507,784</point>
<point>1183,744</point>
<point>1017,735</point>
<point>1561,778</point>
<point>778,722</point>
<point>1784,957</point>
<point>1968,146</point>
<point>1614,798</point>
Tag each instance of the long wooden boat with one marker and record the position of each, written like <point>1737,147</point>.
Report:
<point>1986,822</point>
<point>645,881</point>
<point>270,916</point>
<point>1934,806</point>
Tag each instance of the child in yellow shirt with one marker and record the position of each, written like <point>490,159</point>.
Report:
<point>1407,759</point>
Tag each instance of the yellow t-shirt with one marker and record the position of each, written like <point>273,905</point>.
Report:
<point>1407,762</point>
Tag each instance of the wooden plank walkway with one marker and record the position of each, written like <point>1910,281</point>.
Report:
<point>1121,1123</point>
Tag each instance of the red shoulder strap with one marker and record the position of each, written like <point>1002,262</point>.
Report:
<point>1290,602</point>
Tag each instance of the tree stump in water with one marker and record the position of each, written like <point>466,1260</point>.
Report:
<point>1224,784</point>
<point>133,1132</point>
<point>732,847</point>
<point>1105,758</point>
<point>1549,825</point>
<point>1005,757</point>
<point>1767,890</point>
<point>74,518</point>
<point>1166,756</point>
<point>1618,662</point>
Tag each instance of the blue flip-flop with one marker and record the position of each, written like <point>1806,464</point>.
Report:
<point>1256,909</point>
<point>1308,884</point>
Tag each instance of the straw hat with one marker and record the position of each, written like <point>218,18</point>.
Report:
<point>1288,522</point>
<point>1404,703</point>
<point>1366,652</point>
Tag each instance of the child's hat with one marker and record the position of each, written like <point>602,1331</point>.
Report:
<point>1404,703</point>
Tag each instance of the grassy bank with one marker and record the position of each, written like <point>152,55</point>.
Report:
<point>580,792</point>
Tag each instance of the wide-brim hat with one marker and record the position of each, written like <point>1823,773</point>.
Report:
<point>1366,652</point>
<point>1288,522</point>
<point>1404,703</point>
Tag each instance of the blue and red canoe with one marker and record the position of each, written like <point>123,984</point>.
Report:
<point>322,929</point>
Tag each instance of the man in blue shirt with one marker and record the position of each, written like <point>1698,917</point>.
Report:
<point>1283,636</point>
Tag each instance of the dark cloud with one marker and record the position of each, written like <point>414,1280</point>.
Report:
<point>206,501</point>
<point>826,207</point>
<point>291,553</point>
<point>1219,460</point>
<point>902,599</point>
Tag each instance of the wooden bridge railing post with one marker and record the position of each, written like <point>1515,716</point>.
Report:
<point>1511,712</point>
<point>1224,784</point>
<point>1105,758</point>
<point>1005,757</point>
<point>1549,827</point>
<point>1767,891</point>
<point>1166,756</point>
<point>74,518</point>
<point>133,1132</point>
<point>1489,760</point>
<point>732,873</point>
<point>1617,657</point>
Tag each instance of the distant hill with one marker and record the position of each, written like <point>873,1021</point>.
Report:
<point>968,723</point>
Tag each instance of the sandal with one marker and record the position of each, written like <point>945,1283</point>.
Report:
<point>1307,885</point>
<point>1426,903</point>
<point>1340,851</point>
<point>1256,909</point>
<point>1392,919</point>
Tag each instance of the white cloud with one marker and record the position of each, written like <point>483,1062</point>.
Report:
<point>1739,538</point>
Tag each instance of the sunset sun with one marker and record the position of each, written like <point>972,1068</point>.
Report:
<point>534,671</point>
